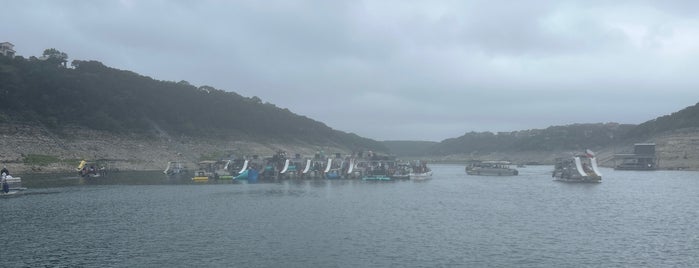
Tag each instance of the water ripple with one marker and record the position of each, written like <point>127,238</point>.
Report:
<point>632,219</point>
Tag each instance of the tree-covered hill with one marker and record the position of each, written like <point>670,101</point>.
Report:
<point>682,119</point>
<point>95,96</point>
<point>555,138</point>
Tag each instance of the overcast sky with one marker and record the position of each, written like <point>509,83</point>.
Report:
<point>395,70</point>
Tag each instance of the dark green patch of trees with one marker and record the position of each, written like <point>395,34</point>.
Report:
<point>99,97</point>
<point>555,138</point>
<point>685,118</point>
<point>570,137</point>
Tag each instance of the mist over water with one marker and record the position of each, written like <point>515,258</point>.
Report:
<point>637,219</point>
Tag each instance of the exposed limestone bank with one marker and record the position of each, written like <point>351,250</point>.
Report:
<point>123,152</point>
<point>678,149</point>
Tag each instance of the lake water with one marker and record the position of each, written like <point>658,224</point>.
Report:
<point>631,219</point>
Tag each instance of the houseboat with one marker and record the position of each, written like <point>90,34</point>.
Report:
<point>642,158</point>
<point>578,168</point>
<point>212,170</point>
<point>175,168</point>
<point>490,168</point>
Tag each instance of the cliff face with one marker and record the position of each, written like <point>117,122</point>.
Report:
<point>678,149</point>
<point>123,151</point>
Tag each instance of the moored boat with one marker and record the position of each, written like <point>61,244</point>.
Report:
<point>205,171</point>
<point>401,171</point>
<point>13,183</point>
<point>376,177</point>
<point>175,168</point>
<point>91,169</point>
<point>421,176</point>
<point>377,170</point>
<point>218,170</point>
<point>490,168</point>
<point>643,158</point>
<point>250,175</point>
<point>200,175</point>
<point>420,171</point>
<point>578,168</point>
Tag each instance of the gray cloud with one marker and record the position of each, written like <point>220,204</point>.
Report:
<point>425,70</point>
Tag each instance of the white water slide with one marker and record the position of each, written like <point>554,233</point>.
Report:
<point>286,167</point>
<point>308,166</point>
<point>578,166</point>
<point>351,166</point>
<point>329,165</point>
<point>245,167</point>
<point>594,166</point>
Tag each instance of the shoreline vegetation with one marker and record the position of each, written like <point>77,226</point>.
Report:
<point>27,148</point>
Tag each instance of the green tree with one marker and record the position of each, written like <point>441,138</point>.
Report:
<point>56,56</point>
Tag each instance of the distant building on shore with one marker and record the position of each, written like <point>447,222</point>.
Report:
<point>642,158</point>
<point>6,49</point>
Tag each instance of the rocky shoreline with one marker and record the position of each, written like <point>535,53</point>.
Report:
<point>676,150</point>
<point>122,151</point>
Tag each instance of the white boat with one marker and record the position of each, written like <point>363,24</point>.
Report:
<point>490,168</point>
<point>579,168</point>
<point>420,171</point>
<point>175,168</point>
<point>13,183</point>
<point>421,176</point>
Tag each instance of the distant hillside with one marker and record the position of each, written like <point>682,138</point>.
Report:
<point>683,119</point>
<point>555,138</point>
<point>676,136</point>
<point>98,97</point>
<point>410,148</point>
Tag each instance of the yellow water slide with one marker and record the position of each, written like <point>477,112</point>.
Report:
<point>81,165</point>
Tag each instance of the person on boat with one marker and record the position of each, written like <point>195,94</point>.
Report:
<point>5,185</point>
<point>4,171</point>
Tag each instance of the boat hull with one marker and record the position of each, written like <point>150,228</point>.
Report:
<point>376,178</point>
<point>567,176</point>
<point>580,180</point>
<point>249,175</point>
<point>421,176</point>
<point>580,168</point>
<point>492,172</point>
<point>200,178</point>
<point>225,177</point>
<point>14,183</point>
<point>401,177</point>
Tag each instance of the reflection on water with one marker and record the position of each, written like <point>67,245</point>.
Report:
<point>631,219</point>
